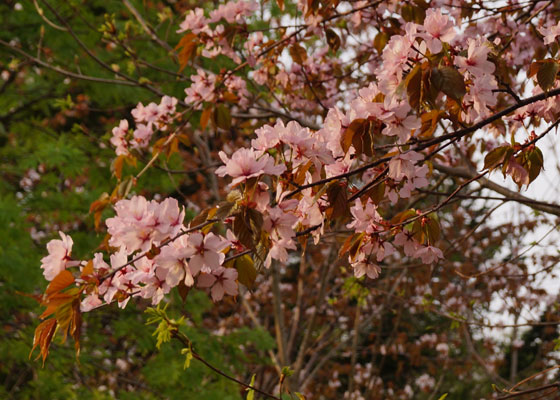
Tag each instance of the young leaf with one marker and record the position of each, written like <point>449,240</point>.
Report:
<point>449,81</point>
<point>222,116</point>
<point>60,282</point>
<point>298,53</point>
<point>43,337</point>
<point>205,117</point>
<point>356,129</point>
<point>534,163</point>
<point>333,39</point>
<point>187,352</point>
<point>246,271</point>
<point>338,199</point>
<point>187,44</point>
<point>413,82</point>
<point>546,75</point>
<point>251,392</point>
<point>497,156</point>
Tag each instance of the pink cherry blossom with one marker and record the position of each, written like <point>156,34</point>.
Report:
<point>279,224</point>
<point>245,164</point>
<point>267,137</point>
<point>167,105</point>
<point>476,61</point>
<point>365,267</point>
<point>410,245</point>
<point>201,89</point>
<point>222,280</point>
<point>139,223</point>
<point>59,256</point>
<point>168,218</point>
<point>173,259</point>
<point>152,113</point>
<point>279,250</point>
<point>142,135</point>
<point>365,219</point>
<point>481,96</point>
<point>118,140</point>
<point>401,123</point>
<point>403,165</point>
<point>139,113</point>
<point>429,254</point>
<point>194,21</point>
<point>438,28</point>
<point>416,181</point>
<point>550,33</point>
<point>122,129</point>
<point>90,302</point>
<point>207,252</point>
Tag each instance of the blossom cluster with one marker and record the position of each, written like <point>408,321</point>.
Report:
<point>138,227</point>
<point>148,119</point>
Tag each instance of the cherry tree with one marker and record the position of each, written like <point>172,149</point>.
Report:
<point>352,159</point>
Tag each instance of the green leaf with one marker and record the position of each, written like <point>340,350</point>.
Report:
<point>287,371</point>
<point>380,41</point>
<point>442,397</point>
<point>246,271</point>
<point>251,392</point>
<point>533,163</point>
<point>432,229</point>
<point>497,156</point>
<point>162,333</point>
<point>187,352</point>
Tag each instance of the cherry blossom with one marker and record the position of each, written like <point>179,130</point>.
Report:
<point>365,219</point>
<point>140,223</point>
<point>119,138</point>
<point>402,165</point>
<point>90,302</point>
<point>201,89</point>
<point>364,267</point>
<point>173,259</point>
<point>59,256</point>
<point>438,28</point>
<point>293,162</point>
<point>550,33</point>
<point>222,280</point>
<point>207,252</point>
<point>194,21</point>
<point>245,164</point>
<point>233,11</point>
<point>476,61</point>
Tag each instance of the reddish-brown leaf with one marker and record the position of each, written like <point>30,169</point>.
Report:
<point>117,166</point>
<point>205,117</point>
<point>60,282</point>
<point>187,46</point>
<point>298,53</point>
<point>43,337</point>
